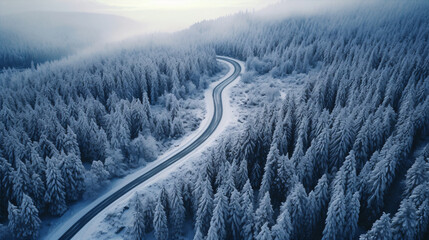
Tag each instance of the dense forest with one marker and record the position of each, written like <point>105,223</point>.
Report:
<point>107,111</point>
<point>346,158</point>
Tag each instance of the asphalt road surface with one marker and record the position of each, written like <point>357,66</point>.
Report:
<point>217,116</point>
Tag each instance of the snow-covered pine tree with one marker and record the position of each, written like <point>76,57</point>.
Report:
<point>205,209</point>
<point>264,213</point>
<point>285,179</point>
<point>6,183</point>
<point>352,216</point>
<point>269,171</point>
<point>417,174</point>
<point>70,144</point>
<point>73,174</point>
<point>242,176</point>
<point>236,215</point>
<point>381,229</point>
<point>265,233</point>
<point>246,199</point>
<point>38,191</point>
<point>21,181</point>
<point>404,223</point>
<point>334,225</point>
<point>160,221</point>
<point>15,220</point>
<point>296,204</point>
<point>318,201</point>
<point>30,221</point>
<point>115,164</point>
<point>55,195</point>
<point>198,235</point>
<point>423,218</point>
<point>283,227</point>
<point>217,230</point>
<point>177,213</point>
<point>139,226</point>
<point>148,213</point>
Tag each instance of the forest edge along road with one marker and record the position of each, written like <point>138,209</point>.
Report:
<point>217,117</point>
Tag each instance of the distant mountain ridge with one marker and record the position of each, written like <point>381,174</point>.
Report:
<point>43,36</point>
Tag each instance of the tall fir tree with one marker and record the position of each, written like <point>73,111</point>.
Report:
<point>246,200</point>
<point>283,227</point>
<point>405,221</point>
<point>217,230</point>
<point>139,226</point>
<point>296,204</point>
<point>160,222</point>
<point>334,225</point>
<point>381,229</point>
<point>30,221</point>
<point>264,213</point>
<point>236,215</point>
<point>177,213</point>
<point>265,233</point>
<point>205,209</point>
<point>55,195</point>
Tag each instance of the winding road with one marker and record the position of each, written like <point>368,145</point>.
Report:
<point>217,117</point>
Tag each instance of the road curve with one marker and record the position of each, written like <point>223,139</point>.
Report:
<point>217,116</point>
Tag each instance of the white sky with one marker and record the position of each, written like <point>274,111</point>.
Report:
<point>156,15</point>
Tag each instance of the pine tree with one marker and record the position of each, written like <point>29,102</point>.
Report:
<point>423,218</point>
<point>265,233</point>
<point>229,184</point>
<point>283,228</point>
<point>115,164</point>
<point>14,219</point>
<point>55,195</point>
<point>381,229</point>
<point>38,165</point>
<point>405,221</point>
<point>139,226</point>
<point>205,209</point>
<point>97,177</point>
<point>70,144</point>
<point>285,179</point>
<point>417,174</point>
<point>321,150</point>
<point>248,211</point>
<point>217,230</point>
<point>6,183</point>
<point>198,235</point>
<point>177,213</point>
<point>165,200</point>
<point>21,181</point>
<point>318,200</point>
<point>160,222</point>
<point>296,204</point>
<point>29,219</point>
<point>73,173</point>
<point>269,173</point>
<point>352,216</point>
<point>341,139</point>
<point>242,175</point>
<point>38,191</point>
<point>236,214</point>
<point>334,224</point>
<point>264,213</point>
<point>148,213</point>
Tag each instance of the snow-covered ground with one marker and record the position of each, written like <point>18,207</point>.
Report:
<point>56,227</point>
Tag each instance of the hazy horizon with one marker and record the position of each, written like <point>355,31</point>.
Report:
<point>155,16</point>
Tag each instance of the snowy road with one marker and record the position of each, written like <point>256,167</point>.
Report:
<point>185,150</point>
